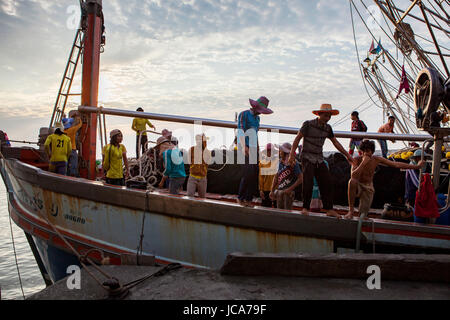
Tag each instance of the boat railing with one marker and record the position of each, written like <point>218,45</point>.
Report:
<point>233,125</point>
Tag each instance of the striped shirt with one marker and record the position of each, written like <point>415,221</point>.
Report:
<point>314,135</point>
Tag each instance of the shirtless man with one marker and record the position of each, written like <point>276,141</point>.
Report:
<point>361,182</point>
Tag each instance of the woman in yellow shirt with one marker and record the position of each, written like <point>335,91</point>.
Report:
<point>140,125</point>
<point>114,159</point>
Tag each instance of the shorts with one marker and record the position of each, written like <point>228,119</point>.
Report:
<point>365,194</point>
<point>284,199</point>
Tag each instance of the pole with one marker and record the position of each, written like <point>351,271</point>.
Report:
<point>89,92</point>
<point>437,156</point>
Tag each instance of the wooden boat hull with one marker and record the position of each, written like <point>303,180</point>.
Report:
<point>196,233</point>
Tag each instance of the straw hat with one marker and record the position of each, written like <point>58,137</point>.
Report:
<point>326,107</point>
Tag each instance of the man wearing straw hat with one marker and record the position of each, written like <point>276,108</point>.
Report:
<point>314,132</point>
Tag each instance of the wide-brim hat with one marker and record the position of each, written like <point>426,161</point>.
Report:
<point>261,105</point>
<point>326,107</point>
<point>286,147</point>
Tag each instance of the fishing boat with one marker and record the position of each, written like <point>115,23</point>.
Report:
<point>66,218</point>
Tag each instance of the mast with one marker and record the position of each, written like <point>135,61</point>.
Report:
<point>90,78</point>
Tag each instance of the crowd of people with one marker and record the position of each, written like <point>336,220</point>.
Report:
<point>277,170</point>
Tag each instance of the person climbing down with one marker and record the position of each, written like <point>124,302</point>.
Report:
<point>115,156</point>
<point>360,184</point>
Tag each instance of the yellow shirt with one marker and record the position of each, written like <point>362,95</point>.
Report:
<point>71,132</point>
<point>59,146</point>
<point>139,124</point>
<point>199,170</point>
<point>266,175</point>
<point>113,162</point>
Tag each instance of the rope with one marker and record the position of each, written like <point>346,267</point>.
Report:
<point>357,52</point>
<point>166,269</point>
<point>15,256</point>
<point>140,246</point>
<point>112,285</point>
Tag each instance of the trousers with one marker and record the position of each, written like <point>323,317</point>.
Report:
<point>323,177</point>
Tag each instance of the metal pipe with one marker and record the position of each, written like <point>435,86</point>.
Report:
<point>233,125</point>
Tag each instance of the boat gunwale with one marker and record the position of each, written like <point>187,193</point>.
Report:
<point>50,181</point>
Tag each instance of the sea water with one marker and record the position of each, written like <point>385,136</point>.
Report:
<point>32,281</point>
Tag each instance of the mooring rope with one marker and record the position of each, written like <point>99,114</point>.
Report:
<point>15,256</point>
<point>112,284</point>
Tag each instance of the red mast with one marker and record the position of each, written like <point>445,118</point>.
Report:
<point>93,25</point>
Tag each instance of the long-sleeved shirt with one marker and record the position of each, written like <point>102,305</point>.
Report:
<point>71,132</point>
<point>248,126</point>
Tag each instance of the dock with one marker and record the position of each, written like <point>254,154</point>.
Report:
<point>277,277</point>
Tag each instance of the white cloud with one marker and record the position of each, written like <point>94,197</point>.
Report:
<point>9,7</point>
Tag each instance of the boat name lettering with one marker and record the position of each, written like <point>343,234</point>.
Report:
<point>74,219</point>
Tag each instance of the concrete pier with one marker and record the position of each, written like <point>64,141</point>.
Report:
<point>201,284</point>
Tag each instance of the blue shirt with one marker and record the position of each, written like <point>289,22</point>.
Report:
<point>287,175</point>
<point>248,125</point>
<point>173,161</point>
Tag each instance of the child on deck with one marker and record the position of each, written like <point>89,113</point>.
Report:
<point>361,182</point>
<point>286,180</point>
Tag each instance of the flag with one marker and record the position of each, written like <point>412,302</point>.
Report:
<point>377,50</point>
<point>371,47</point>
<point>404,84</point>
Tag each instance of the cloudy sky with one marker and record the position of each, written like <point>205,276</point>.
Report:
<point>200,58</point>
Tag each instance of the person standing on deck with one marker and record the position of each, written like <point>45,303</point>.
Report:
<point>115,156</point>
<point>198,170</point>
<point>58,148</point>
<point>139,125</point>
<point>174,168</point>
<point>314,133</point>
<point>357,125</point>
<point>386,128</point>
<point>247,137</point>
<point>71,133</point>
<point>361,182</point>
